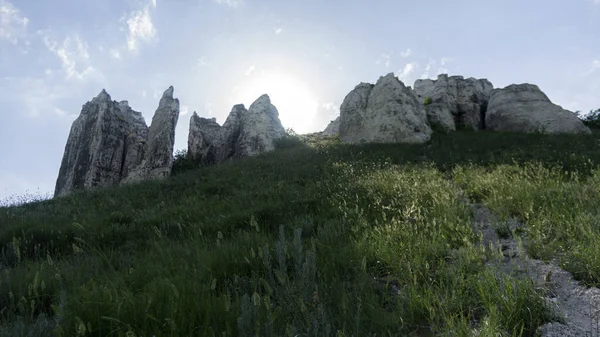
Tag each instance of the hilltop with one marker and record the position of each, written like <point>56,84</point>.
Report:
<point>315,238</point>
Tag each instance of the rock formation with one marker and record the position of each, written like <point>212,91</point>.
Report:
<point>525,108</point>
<point>333,128</point>
<point>158,155</point>
<point>456,102</point>
<point>204,135</point>
<point>387,112</point>
<point>109,143</point>
<point>245,133</point>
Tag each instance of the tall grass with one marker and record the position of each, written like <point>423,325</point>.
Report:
<point>315,239</point>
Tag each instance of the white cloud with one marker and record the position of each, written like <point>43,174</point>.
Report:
<point>595,63</point>
<point>333,110</point>
<point>385,59</point>
<point>230,3</point>
<point>114,53</point>
<point>445,60</point>
<point>406,53</point>
<point>277,30</point>
<point>250,70</point>
<point>140,27</point>
<point>428,67</point>
<point>12,23</point>
<point>184,110</point>
<point>73,55</point>
<point>200,63</point>
<point>405,74</point>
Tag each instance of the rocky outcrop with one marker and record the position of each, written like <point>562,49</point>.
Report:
<point>525,108</point>
<point>245,133</point>
<point>455,102</point>
<point>202,139</point>
<point>259,127</point>
<point>158,154</point>
<point>387,112</point>
<point>333,128</point>
<point>109,143</point>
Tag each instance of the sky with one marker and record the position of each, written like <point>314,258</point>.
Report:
<point>306,54</point>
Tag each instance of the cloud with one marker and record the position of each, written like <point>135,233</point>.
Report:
<point>114,53</point>
<point>385,59</point>
<point>331,108</point>
<point>12,23</point>
<point>250,70</point>
<point>595,63</point>
<point>184,110</point>
<point>36,96</point>
<point>140,27</point>
<point>406,53</point>
<point>73,55</point>
<point>230,3</point>
<point>405,74</point>
<point>277,30</point>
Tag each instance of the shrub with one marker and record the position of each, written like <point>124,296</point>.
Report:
<point>427,100</point>
<point>290,140</point>
<point>592,119</point>
<point>182,162</point>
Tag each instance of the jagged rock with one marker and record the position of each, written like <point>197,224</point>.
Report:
<point>245,133</point>
<point>260,126</point>
<point>226,147</point>
<point>456,102</point>
<point>202,139</point>
<point>333,128</point>
<point>525,108</point>
<point>106,141</point>
<point>109,143</point>
<point>387,112</point>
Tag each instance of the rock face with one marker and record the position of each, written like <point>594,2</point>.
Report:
<point>387,112</point>
<point>259,128</point>
<point>333,128</point>
<point>109,143</point>
<point>204,134</point>
<point>245,133</point>
<point>158,155</point>
<point>525,108</point>
<point>456,102</point>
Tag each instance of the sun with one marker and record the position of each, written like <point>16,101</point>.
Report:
<point>293,98</point>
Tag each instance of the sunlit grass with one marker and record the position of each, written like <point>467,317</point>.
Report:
<point>312,240</point>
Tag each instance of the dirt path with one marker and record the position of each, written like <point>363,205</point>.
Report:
<point>577,306</point>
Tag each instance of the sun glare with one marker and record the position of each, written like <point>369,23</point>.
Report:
<point>293,98</point>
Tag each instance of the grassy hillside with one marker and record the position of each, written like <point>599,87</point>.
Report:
<point>314,239</point>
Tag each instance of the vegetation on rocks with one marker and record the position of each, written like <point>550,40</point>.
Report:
<point>316,238</point>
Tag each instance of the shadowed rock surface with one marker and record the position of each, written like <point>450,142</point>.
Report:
<point>204,135</point>
<point>245,133</point>
<point>456,102</point>
<point>387,112</point>
<point>158,155</point>
<point>333,128</point>
<point>109,143</point>
<point>525,108</point>
<point>106,142</point>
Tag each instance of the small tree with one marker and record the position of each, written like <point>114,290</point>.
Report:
<point>592,119</point>
<point>182,162</point>
<point>427,100</point>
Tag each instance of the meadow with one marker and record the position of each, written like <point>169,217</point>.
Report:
<point>317,238</point>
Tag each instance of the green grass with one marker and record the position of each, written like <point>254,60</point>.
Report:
<point>315,239</point>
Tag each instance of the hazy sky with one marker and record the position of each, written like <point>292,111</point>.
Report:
<point>306,54</point>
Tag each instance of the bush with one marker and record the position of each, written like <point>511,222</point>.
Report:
<point>592,119</point>
<point>182,162</point>
<point>427,100</point>
<point>290,140</point>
